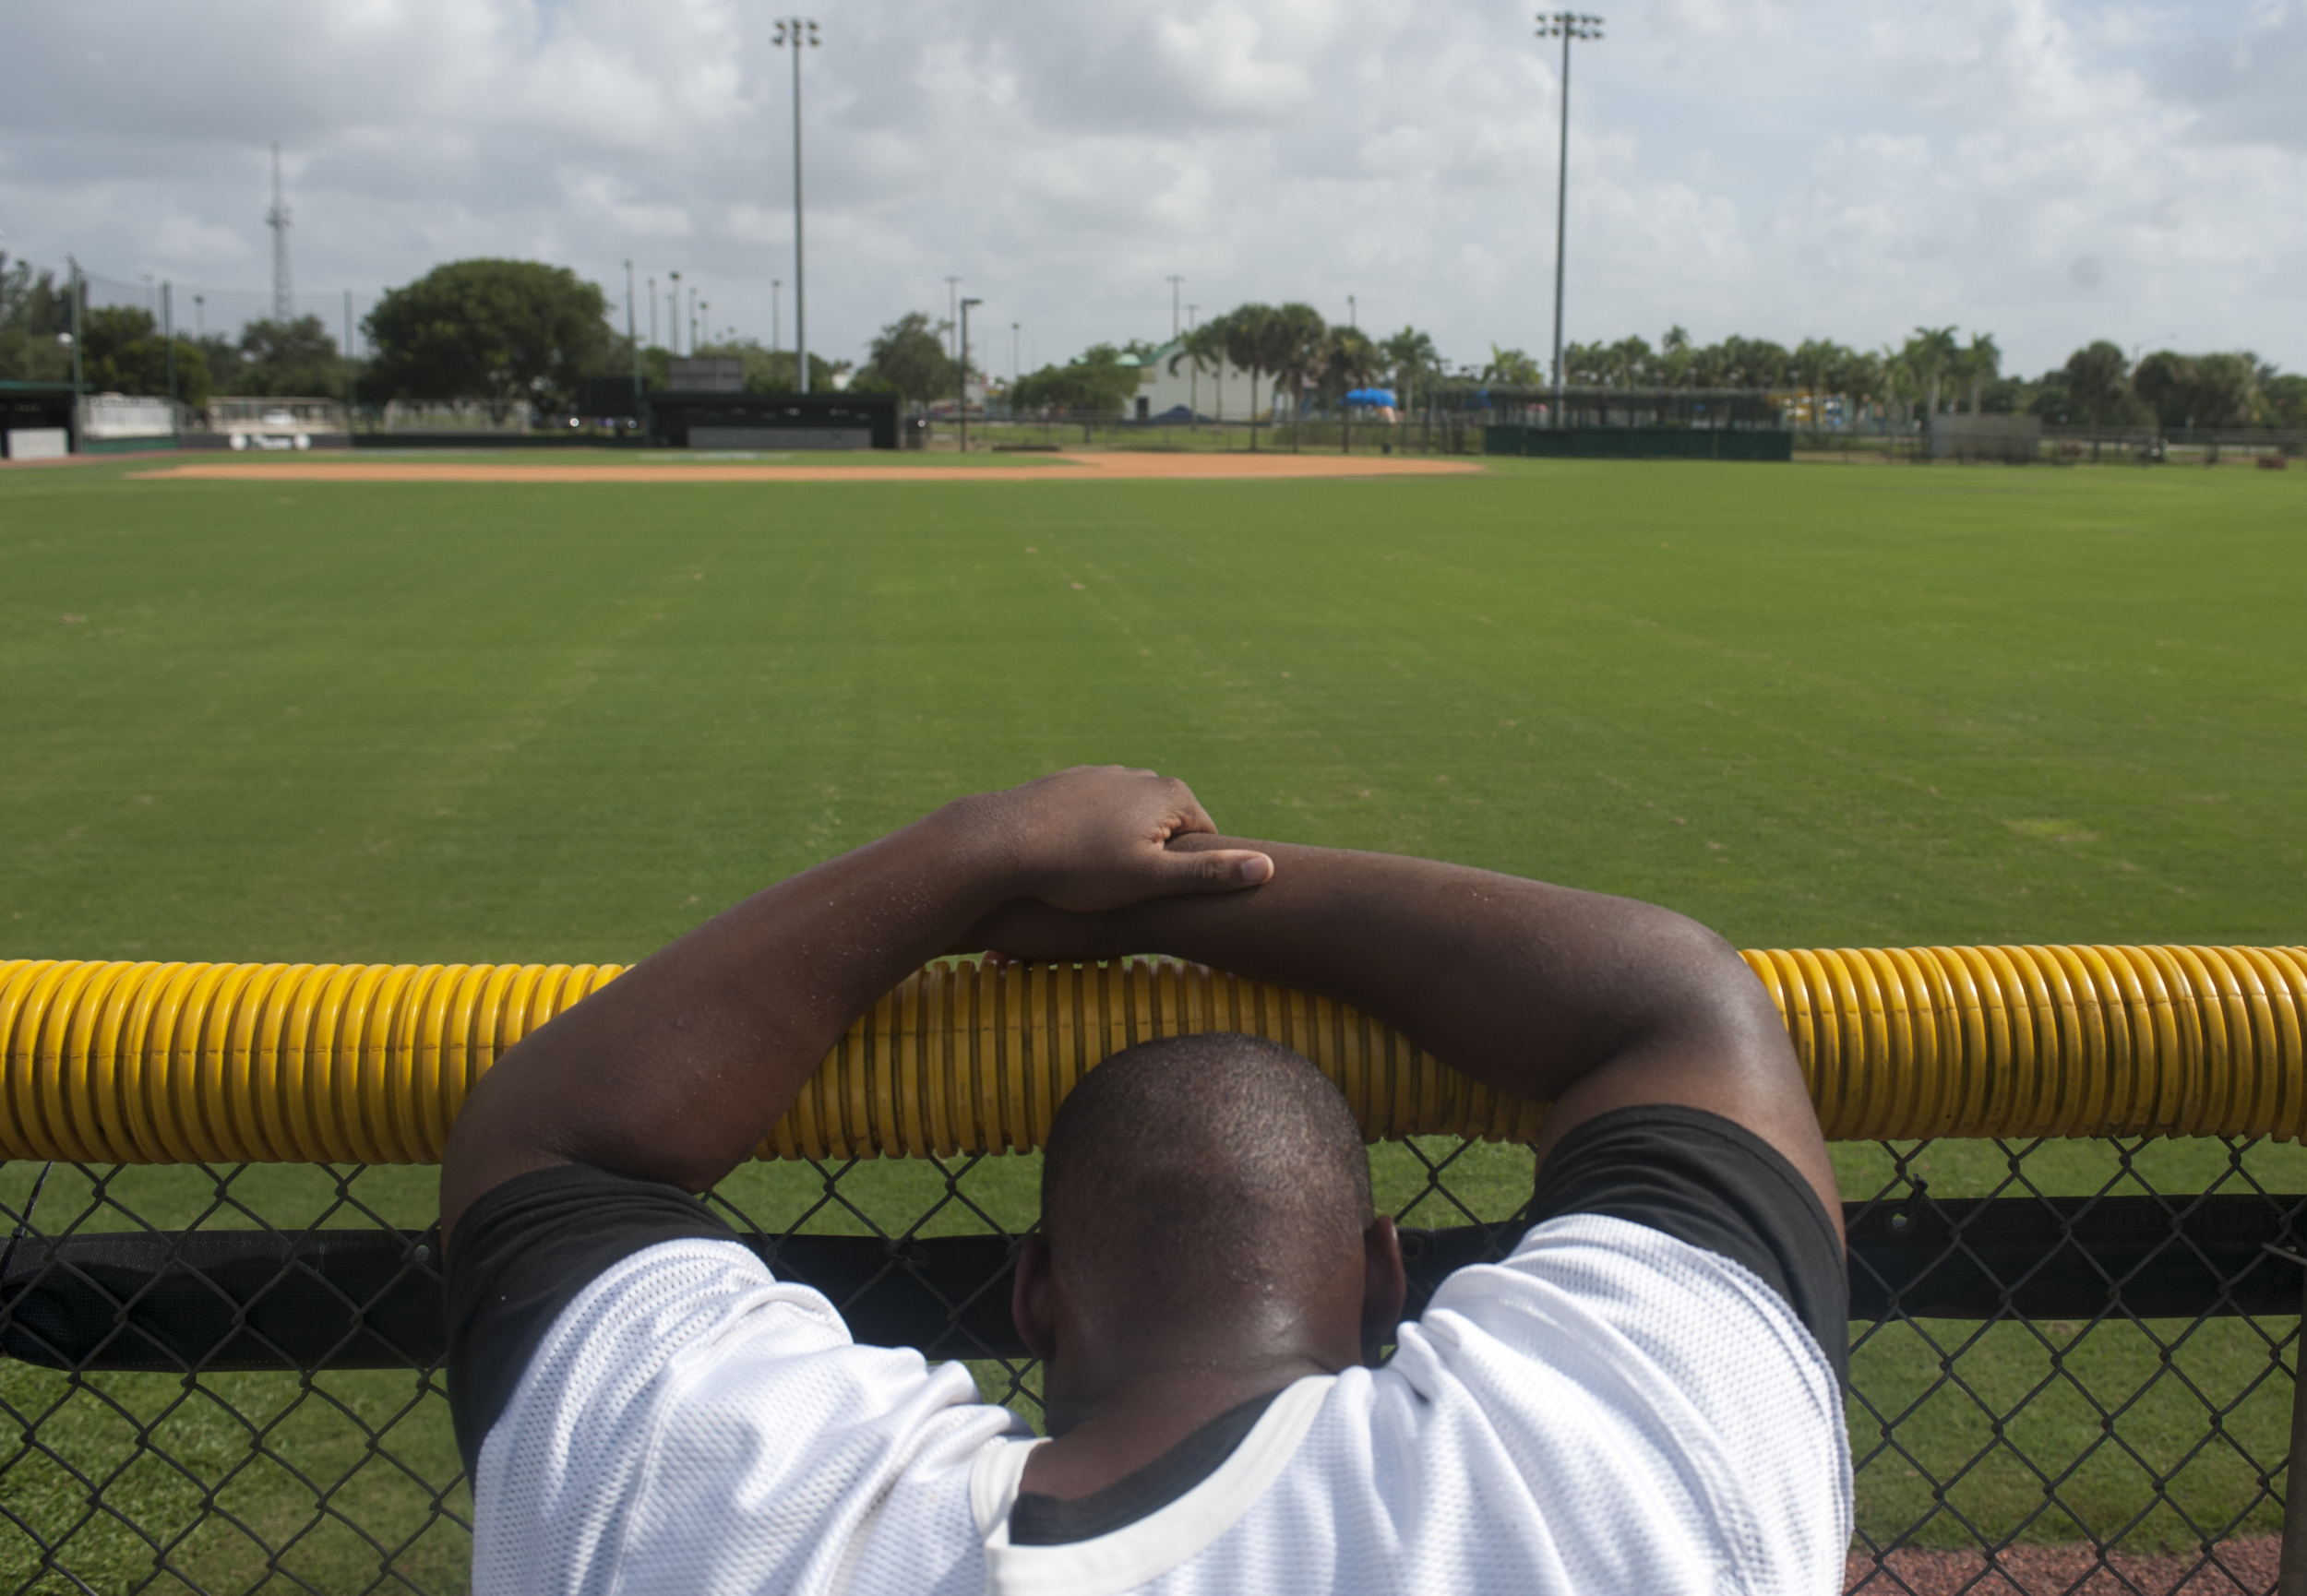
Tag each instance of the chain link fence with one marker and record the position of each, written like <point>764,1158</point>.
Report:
<point>228,1378</point>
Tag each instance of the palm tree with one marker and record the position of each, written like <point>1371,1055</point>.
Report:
<point>1299,338</point>
<point>1205,347</point>
<point>1512,368</point>
<point>1928,355</point>
<point>1348,361</point>
<point>1981,363</point>
<point>1246,333</point>
<point>1410,355</point>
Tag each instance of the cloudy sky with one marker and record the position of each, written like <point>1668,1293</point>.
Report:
<point>2049,171</point>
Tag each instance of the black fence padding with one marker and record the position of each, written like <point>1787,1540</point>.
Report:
<point>219,1299</point>
<point>2074,1257</point>
<point>226,1299</point>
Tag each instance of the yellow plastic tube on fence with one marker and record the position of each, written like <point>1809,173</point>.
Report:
<point>151,1063</point>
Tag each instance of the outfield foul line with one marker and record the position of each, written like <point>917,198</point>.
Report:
<point>1062,469</point>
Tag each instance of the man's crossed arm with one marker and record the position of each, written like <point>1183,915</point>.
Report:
<point>675,1070</point>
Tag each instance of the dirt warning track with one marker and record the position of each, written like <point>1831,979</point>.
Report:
<point>1182,466</point>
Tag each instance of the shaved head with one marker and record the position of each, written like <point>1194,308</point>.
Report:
<point>1201,1170</point>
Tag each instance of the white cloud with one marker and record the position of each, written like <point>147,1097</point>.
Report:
<point>2049,170</point>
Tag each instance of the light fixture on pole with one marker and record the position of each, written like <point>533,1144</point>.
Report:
<point>1173,282</point>
<point>952,315</point>
<point>1565,26</point>
<point>794,33</point>
<point>964,314</point>
<point>673,311</point>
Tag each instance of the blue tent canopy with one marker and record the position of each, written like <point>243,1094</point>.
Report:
<point>1370,396</point>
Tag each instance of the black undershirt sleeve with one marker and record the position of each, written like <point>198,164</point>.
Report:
<point>522,1252</point>
<point>1716,1184</point>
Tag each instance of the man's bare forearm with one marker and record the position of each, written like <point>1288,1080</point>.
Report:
<point>675,1070</point>
<point>1576,998</point>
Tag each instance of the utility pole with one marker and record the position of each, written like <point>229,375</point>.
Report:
<point>673,312</point>
<point>964,313</point>
<point>952,313</point>
<point>1565,26</point>
<point>632,337</point>
<point>277,218</point>
<point>794,33</point>
<point>1193,372</point>
<point>1174,328</point>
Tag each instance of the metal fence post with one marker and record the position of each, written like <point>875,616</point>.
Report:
<point>2291,1573</point>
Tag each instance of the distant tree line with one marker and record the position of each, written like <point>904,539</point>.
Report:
<point>1935,370</point>
<point>519,333</point>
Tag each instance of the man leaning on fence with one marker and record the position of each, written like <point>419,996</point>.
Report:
<point>1642,1398</point>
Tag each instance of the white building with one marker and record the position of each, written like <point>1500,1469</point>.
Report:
<point>1213,393</point>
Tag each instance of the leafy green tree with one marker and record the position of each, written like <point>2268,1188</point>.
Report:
<point>2226,389</point>
<point>510,332</point>
<point>34,309</point>
<point>122,351</point>
<point>909,360</point>
<point>766,370</point>
<point>1979,364</point>
<point>2096,386</point>
<point>222,355</point>
<point>1095,382</point>
<point>2165,381</point>
<point>2283,401</point>
<point>290,359</point>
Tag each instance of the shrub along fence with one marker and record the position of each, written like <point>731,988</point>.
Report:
<point>2075,1224</point>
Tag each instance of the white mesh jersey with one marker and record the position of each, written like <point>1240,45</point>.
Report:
<point>1610,1409</point>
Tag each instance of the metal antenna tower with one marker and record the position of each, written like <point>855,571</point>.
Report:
<point>277,218</point>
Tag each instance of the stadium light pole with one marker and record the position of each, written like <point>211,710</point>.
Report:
<point>673,311</point>
<point>79,294</point>
<point>632,337</point>
<point>776,315</point>
<point>964,312</point>
<point>953,312</point>
<point>1565,26</point>
<point>200,317</point>
<point>1174,321</point>
<point>795,33</point>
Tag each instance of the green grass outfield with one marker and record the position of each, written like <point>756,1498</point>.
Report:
<point>1809,705</point>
